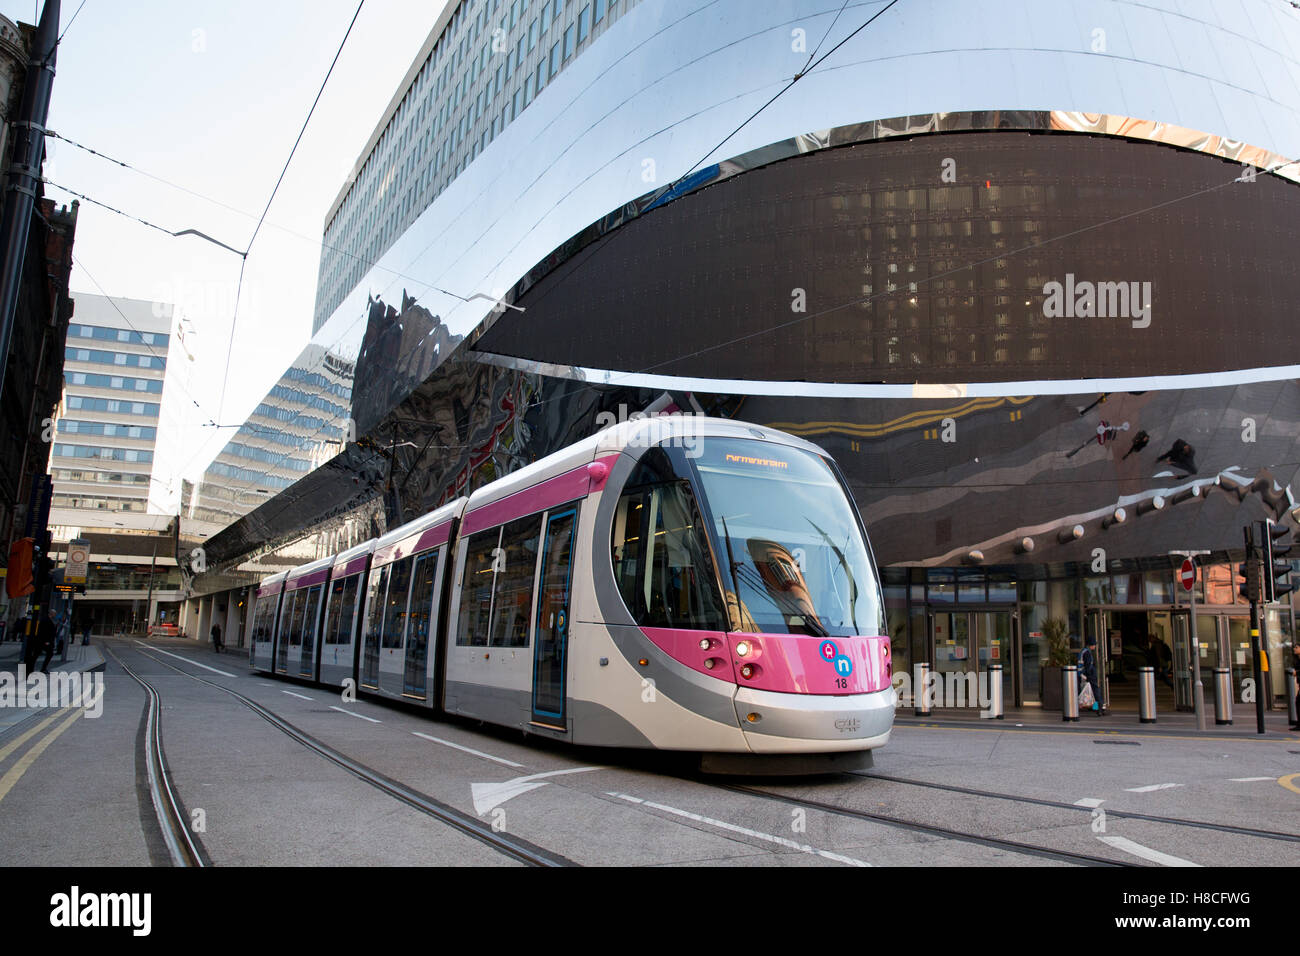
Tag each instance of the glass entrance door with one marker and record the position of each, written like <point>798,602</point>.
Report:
<point>967,642</point>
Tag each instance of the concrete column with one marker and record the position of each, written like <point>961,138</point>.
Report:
<point>205,619</point>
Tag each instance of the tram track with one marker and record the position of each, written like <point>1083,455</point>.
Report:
<point>184,848</point>
<point>514,847</point>
<point>917,826</point>
<point>1279,836</point>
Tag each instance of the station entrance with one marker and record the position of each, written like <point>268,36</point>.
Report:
<point>969,640</point>
<point>1129,638</point>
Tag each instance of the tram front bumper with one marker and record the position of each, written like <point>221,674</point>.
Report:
<point>814,723</point>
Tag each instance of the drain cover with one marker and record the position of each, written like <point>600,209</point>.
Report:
<point>1119,743</point>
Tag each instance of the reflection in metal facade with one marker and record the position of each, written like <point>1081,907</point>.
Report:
<point>483,64</point>
<point>576,208</point>
<point>300,424</point>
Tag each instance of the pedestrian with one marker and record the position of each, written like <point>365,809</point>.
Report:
<point>1088,671</point>
<point>47,635</point>
<point>1166,658</point>
<point>216,637</point>
<point>1295,663</point>
<point>64,633</point>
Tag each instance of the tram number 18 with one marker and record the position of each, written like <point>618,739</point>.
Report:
<point>842,683</point>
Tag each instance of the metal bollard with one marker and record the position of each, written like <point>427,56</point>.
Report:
<point>996,708</point>
<point>1147,695</point>
<point>920,695</point>
<point>1290,697</point>
<point>1070,692</point>
<point>1222,696</point>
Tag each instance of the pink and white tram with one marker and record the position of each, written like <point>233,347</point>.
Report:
<point>677,583</point>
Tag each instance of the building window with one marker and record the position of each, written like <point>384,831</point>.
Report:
<point>584,23</point>
<point>568,42</point>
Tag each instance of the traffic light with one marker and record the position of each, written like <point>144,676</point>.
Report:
<point>1248,587</point>
<point>1276,564</point>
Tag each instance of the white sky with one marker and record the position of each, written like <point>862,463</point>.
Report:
<point>209,95</point>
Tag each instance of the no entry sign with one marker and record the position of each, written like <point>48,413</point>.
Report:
<point>1187,574</point>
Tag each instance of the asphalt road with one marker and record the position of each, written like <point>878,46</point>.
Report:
<point>74,790</point>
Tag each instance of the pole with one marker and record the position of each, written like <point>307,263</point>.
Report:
<point>24,172</point>
<point>148,601</point>
<point>1254,637</point>
<point>1198,692</point>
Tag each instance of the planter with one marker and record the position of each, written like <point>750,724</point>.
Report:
<point>1050,682</point>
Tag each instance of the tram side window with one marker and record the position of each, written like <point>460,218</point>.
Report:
<point>375,593</point>
<point>661,555</point>
<point>285,633</point>
<point>512,604</point>
<point>295,623</point>
<point>476,588</point>
<point>347,618</point>
<point>395,616</point>
<point>311,616</point>
<point>422,594</point>
<point>333,609</point>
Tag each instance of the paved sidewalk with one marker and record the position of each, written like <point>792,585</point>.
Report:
<point>81,659</point>
<point>1126,722</point>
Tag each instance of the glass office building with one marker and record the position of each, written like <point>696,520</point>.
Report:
<point>1022,266</point>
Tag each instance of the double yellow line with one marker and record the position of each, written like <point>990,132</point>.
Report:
<point>15,772</point>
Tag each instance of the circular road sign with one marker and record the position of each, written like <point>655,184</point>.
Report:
<point>1187,574</point>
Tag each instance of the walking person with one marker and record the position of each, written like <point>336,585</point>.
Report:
<point>46,636</point>
<point>1088,671</point>
<point>216,637</point>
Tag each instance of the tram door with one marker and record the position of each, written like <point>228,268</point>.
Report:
<point>310,621</point>
<point>967,642</point>
<point>392,660</point>
<point>422,614</point>
<point>550,648</point>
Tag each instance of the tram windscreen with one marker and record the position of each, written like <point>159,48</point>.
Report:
<point>789,542</point>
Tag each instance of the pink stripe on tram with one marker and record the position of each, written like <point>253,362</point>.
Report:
<point>577,483</point>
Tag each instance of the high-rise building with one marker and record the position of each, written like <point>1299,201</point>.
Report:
<point>115,364</point>
<point>108,489</point>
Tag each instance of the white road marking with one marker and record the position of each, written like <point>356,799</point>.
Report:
<point>468,750</point>
<point>351,714</point>
<point>1249,779</point>
<point>1152,788</point>
<point>758,834</point>
<point>1145,852</point>
<point>1090,802</point>
<point>488,796</point>
<point>299,696</point>
<point>159,650</point>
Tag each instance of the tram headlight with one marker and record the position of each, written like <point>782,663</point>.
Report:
<point>747,671</point>
<point>705,643</point>
<point>742,649</point>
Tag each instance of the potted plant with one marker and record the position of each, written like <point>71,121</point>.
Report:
<point>1058,655</point>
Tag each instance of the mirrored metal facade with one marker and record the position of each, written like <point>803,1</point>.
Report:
<point>1022,267</point>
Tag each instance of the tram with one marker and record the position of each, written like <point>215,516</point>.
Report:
<point>676,583</point>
